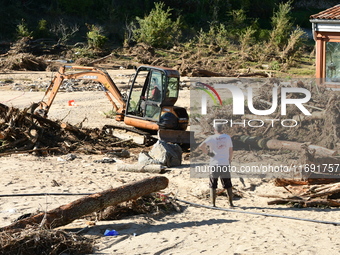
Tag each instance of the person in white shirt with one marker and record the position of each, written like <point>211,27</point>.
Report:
<point>220,149</point>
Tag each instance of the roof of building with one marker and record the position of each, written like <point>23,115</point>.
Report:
<point>332,13</point>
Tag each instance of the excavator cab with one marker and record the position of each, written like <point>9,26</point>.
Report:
<point>150,105</point>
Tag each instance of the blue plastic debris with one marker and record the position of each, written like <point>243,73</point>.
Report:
<point>109,232</point>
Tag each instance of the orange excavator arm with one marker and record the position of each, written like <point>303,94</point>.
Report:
<point>88,73</point>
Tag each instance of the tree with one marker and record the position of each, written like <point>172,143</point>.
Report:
<point>157,29</point>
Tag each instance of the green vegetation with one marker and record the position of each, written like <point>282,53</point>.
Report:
<point>42,29</point>
<point>157,29</point>
<point>95,37</point>
<point>235,33</point>
<point>22,30</point>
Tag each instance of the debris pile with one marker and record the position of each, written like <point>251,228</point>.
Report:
<point>33,241</point>
<point>155,203</point>
<point>303,194</point>
<point>22,131</point>
<point>23,56</point>
<point>322,127</point>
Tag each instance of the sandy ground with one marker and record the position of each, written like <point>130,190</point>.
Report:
<point>196,230</point>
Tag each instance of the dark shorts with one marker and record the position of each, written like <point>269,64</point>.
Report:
<point>223,173</point>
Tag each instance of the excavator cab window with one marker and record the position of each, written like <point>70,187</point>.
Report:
<point>154,95</point>
<point>151,89</point>
<point>172,90</point>
<point>155,89</point>
<point>137,93</point>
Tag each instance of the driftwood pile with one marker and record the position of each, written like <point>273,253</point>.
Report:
<point>306,195</point>
<point>44,241</point>
<point>156,203</point>
<point>22,132</point>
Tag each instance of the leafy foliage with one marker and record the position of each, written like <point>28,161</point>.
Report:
<point>243,31</point>
<point>22,30</point>
<point>157,29</point>
<point>42,30</point>
<point>281,26</point>
<point>95,38</point>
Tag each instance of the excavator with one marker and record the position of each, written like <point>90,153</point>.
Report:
<point>148,109</point>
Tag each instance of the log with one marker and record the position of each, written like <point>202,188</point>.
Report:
<point>139,168</point>
<point>65,214</point>
<point>305,203</point>
<point>70,127</point>
<point>324,202</point>
<point>306,105</point>
<point>99,60</point>
<point>319,167</point>
<point>309,156</point>
<point>325,190</point>
<point>315,116</point>
<point>205,73</point>
<point>282,201</point>
<point>74,130</point>
<point>273,144</point>
<point>263,74</point>
<point>280,182</point>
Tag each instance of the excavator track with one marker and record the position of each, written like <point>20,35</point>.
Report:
<point>126,133</point>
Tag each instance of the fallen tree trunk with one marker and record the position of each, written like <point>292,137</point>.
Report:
<point>306,203</point>
<point>315,116</point>
<point>99,60</point>
<point>273,144</point>
<point>278,145</point>
<point>280,182</point>
<point>205,73</point>
<point>65,214</point>
<point>139,168</point>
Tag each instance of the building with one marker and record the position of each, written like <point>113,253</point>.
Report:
<point>326,33</point>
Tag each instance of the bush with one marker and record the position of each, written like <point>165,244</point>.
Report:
<point>157,29</point>
<point>22,30</point>
<point>282,26</point>
<point>217,35</point>
<point>95,39</point>
<point>42,30</point>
